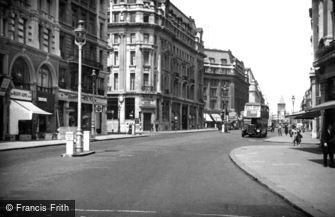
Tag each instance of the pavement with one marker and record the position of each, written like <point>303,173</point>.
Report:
<point>13,145</point>
<point>295,173</point>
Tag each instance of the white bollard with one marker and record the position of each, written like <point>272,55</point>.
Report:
<point>87,135</point>
<point>223,128</point>
<point>69,137</point>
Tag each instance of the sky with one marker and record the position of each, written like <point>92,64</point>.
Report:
<point>271,37</point>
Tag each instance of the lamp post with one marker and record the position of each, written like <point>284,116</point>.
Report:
<point>293,98</point>
<point>121,99</point>
<point>94,77</point>
<point>80,41</point>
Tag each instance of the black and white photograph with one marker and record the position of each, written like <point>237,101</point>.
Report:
<point>167,108</point>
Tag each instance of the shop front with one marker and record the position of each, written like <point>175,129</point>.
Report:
<point>67,111</point>
<point>24,116</point>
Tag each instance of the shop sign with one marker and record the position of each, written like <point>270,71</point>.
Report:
<point>21,94</point>
<point>42,99</point>
<point>5,83</point>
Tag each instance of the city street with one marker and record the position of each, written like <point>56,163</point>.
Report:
<point>187,174</point>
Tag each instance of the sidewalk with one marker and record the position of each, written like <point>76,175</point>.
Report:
<point>294,173</point>
<point>5,146</point>
<point>306,139</point>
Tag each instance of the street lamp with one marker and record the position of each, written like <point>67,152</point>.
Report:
<point>80,41</point>
<point>94,77</point>
<point>121,99</point>
<point>293,98</point>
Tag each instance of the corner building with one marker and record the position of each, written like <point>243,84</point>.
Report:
<point>226,87</point>
<point>156,67</point>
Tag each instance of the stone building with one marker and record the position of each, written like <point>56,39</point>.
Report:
<point>39,66</point>
<point>322,76</point>
<point>255,93</point>
<point>226,87</point>
<point>156,67</point>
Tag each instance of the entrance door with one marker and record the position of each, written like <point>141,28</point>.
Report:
<point>146,121</point>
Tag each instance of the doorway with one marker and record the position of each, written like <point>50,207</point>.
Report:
<point>147,121</point>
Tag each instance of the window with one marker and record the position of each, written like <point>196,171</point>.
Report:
<point>212,92</point>
<point>132,38</point>
<point>49,40</point>
<point>146,58</point>
<point>116,58</point>
<point>61,78</point>
<point>211,60</point>
<point>129,108</point>
<point>101,30</point>
<point>132,58</point>
<point>116,17</point>
<point>146,38</point>
<point>131,1</point>
<point>132,17</point>
<point>116,81</point>
<point>44,79</point>
<point>92,25</point>
<point>20,74</point>
<point>112,108</point>
<point>101,56</point>
<point>49,7</point>
<point>146,18</point>
<point>212,104</point>
<point>40,36</point>
<point>132,80</point>
<point>223,61</point>
<point>145,79</point>
<point>116,39</point>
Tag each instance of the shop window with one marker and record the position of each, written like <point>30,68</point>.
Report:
<point>112,108</point>
<point>129,108</point>
<point>20,74</point>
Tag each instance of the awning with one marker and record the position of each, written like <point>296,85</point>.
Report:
<point>324,106</point>
<point>216,117</point>
<point>304,115</point>
<point>208,117</point>
<point>22,110</point>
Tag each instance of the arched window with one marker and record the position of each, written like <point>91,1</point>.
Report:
<point>20,74</point>
<point>44,79</point>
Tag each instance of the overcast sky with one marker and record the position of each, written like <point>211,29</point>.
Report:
<point>271,37</point>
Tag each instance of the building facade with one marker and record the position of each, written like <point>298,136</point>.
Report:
<point>322,76</point>
<point>38,58</point>
<point>226,87</point>
<point>255,93</point>
<point>156,67</point>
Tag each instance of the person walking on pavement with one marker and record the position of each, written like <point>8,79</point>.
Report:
<point>279,130</point>
<point>286,129</point>
<point>328,146</point>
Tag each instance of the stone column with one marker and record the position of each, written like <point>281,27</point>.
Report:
<point>313,87</point>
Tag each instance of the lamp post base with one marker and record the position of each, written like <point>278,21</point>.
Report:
<point>79,142</point>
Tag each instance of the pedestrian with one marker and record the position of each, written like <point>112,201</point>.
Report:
<point>286,129</point>
<point>280,130</point>
<point>328,140</point>
<point>294,135</point>
<point>298,137</point>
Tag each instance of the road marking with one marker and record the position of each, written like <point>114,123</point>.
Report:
<point>155,212</point>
